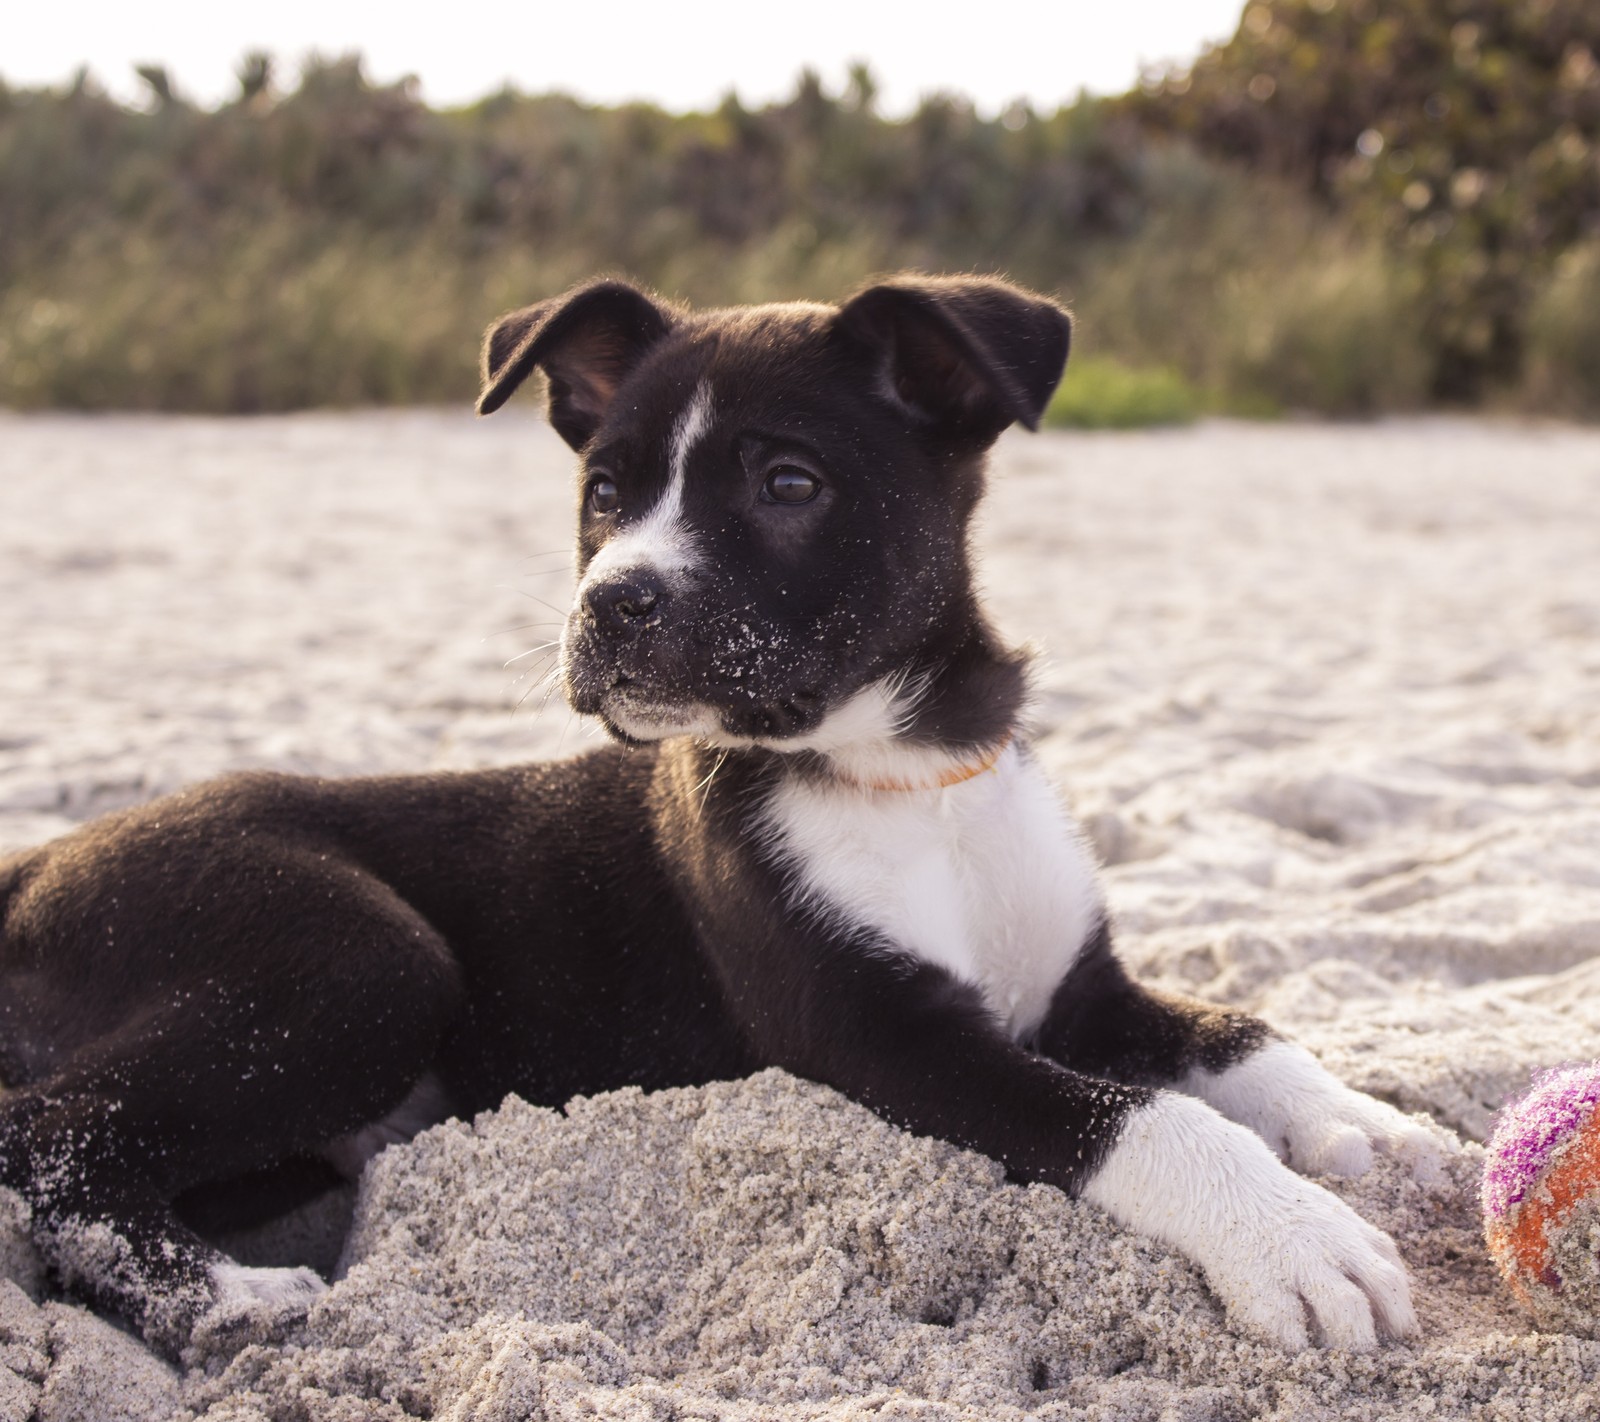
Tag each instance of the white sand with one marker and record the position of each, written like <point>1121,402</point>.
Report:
<point>1329,700</point>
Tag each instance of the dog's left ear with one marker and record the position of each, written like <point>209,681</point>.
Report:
<point>586,342</point>
<point>975,353</point>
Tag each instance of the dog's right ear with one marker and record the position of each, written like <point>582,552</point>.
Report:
<point>586,342</point>
<point>967,353</point>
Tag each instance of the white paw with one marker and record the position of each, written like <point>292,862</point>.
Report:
<point>250,1305</point>
<point>1313,1120</point>
<point>1291,1263</point>
<point>238,1286</point>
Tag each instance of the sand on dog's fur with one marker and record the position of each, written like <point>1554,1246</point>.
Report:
<point>1325,699</point>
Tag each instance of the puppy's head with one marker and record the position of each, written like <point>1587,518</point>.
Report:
<point>774,500</point>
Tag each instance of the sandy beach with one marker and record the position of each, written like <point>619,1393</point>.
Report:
<point>1327,700</point>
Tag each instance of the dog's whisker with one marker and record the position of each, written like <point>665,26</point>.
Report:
<point>704,787</point>
<point>544,702</point>
<point>561,740</point>
<point>534,597</point>
<point>523,627</point>
<point>535,675</point>
<point>547,681</point>
<point>907,691</point>
<point>554,642</point>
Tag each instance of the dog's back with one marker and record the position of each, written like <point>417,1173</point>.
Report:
<point>14,869</point>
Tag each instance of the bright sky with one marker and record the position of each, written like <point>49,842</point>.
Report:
<point>681,53</point>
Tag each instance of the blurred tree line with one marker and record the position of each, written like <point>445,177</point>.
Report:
<point>1463,133</point>
<point>1348,207</point>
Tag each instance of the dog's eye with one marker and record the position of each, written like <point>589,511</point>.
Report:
<point>603,496</point>
<point>790,484</point>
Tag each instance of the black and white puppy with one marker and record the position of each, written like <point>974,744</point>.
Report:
<point>819,842</point>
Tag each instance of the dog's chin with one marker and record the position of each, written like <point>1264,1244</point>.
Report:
<point>634,713</point>
<point>633,719</point>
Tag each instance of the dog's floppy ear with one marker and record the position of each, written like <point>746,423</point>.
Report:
<point>972,352</point>
<point>586,341</point>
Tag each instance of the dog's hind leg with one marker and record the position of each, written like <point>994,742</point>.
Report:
<point>208,1082</point>
<point>100,1218</point>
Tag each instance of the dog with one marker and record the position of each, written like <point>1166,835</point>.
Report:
<point>816,839</point>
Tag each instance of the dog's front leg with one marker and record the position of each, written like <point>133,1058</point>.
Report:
<point>1101,1021</point>
<point>1281,1252</point>
<point>923,1050</point>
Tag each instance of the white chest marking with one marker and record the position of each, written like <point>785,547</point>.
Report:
<point>988,879</point>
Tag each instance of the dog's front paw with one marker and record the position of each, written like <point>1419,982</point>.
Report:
<point>253,1305</point>
<point>1306,1268</point>
<point>1290,1262</point>
<point>1313,1120</point>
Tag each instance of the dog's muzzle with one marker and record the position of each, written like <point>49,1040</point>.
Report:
<point>651,661</point>
<point>622,658</point>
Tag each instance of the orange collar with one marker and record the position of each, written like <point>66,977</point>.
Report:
<point>954,776</point>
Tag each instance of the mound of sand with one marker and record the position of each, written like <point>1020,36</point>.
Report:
<point>1325,699</point>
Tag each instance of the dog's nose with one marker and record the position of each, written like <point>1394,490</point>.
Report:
<point>626,603</point>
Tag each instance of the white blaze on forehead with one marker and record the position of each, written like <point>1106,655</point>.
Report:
<point>690,426</point>
<point>662,541</point>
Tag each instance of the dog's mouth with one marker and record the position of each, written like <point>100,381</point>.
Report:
<point>632,708</point>
<point>681,681</point>
<point>640,714</point>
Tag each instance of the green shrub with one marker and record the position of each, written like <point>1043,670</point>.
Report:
<point>1100,392</point>
<point>1564,338</point>
<point>1337,332</point>
<point>1258,295</point>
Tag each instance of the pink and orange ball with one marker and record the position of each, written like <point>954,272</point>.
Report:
<point>1541,1199</point>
